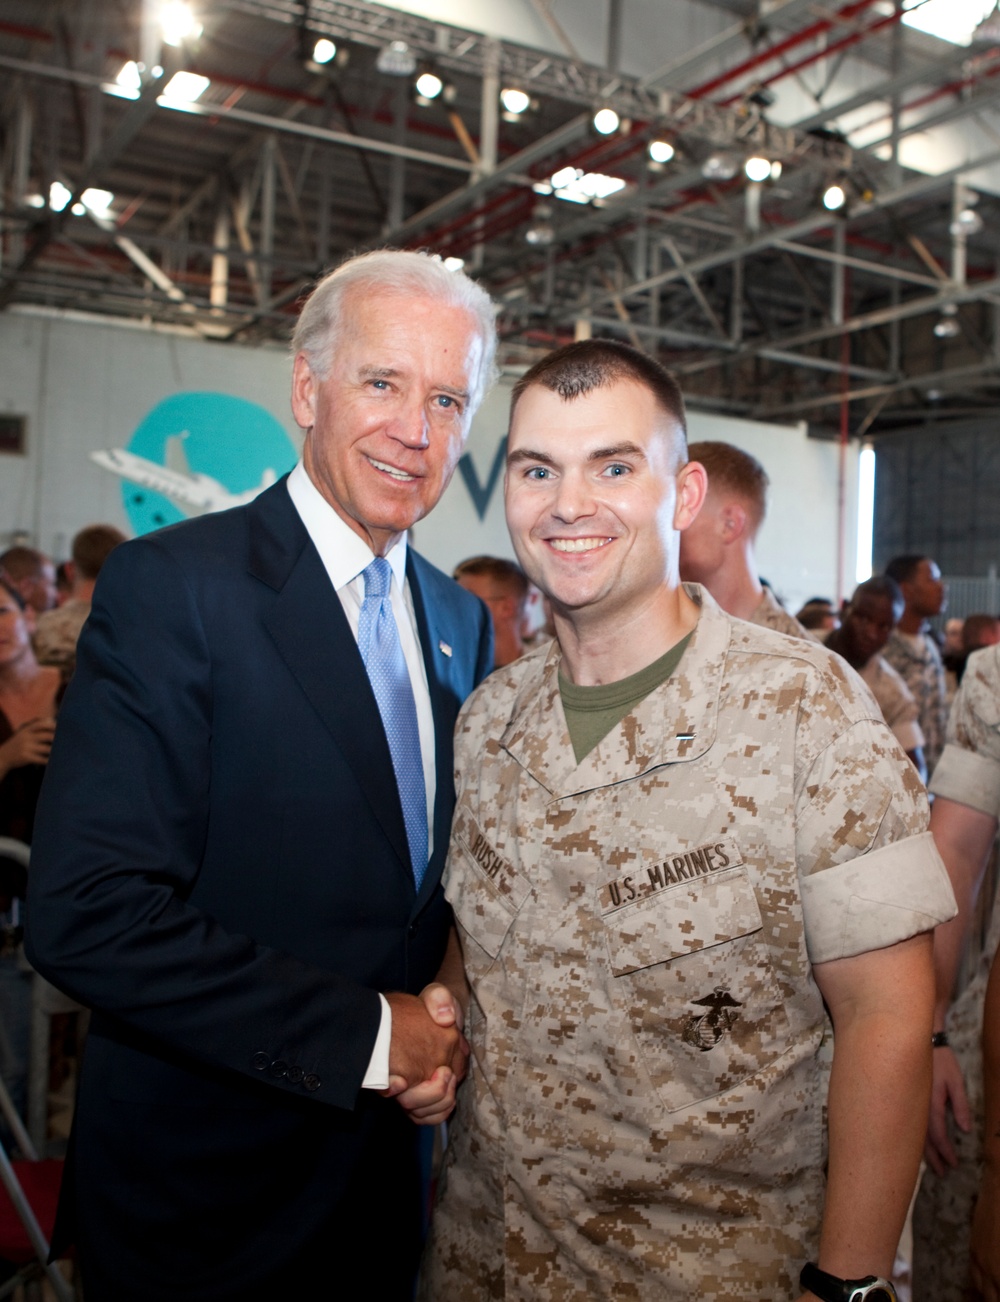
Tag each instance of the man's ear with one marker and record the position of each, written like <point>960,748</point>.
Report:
<point>692,486</point>
<point>734,522</point>
<point>304,387</point>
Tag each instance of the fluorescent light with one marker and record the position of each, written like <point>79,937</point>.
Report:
<point>324,50</point>
<point>949,20</point>
<point>606,121</point>
<point>661,151</point>
<point>515,100</point>
<point>866,512</point>
<point>757,168</point>
<point>178,23</point>
<point>98,201</point>
<point>429,85</point>
<point>185,87</point>
<point>577,186</point>
<point>59,196</point>
<point>129,77</point>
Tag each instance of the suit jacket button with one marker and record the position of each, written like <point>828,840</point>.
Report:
<point>294,1075</point>
<point>279,1068</point>
<point>311,1082</point>
<point>260,1061</point>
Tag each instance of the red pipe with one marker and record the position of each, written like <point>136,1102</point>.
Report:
<point>773,52</point>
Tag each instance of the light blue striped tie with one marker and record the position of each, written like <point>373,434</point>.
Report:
<point>378,641</point>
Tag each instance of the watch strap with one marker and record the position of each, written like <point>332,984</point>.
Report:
<point>831,1288</point>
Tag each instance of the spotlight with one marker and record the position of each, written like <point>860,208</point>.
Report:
<point>661,151</point>
<point>968,222</point>
<point>606,121</point>
<point>946,326</point>
<point>396,60</point>
<point>757,168</point>
<point>541,231</point>
<point>834,197</point>
<point>515,102</point>
<point>324,51</point>
<point>719,167</point>
<point>428,87</point>
<point>178,23</point>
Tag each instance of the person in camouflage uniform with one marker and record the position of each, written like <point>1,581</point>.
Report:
<point>966,785</point>
<point>653,910</point>
<point>718,551</point>
<point>912,651</point>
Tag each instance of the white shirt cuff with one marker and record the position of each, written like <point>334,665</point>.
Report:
<point>377,1075</point>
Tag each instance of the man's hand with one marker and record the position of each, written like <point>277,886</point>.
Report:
<point>420,1044</point>
<point>432,1100</point>
<point>947,1090</point>
<point>30,744</point>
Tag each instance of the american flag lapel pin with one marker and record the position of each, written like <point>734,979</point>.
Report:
<point>444,648</point>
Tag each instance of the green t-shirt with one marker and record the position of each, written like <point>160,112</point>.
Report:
<point>591,712</point>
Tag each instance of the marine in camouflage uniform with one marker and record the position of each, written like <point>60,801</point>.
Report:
<point>969,774</point>
<point>770,613</point>
<point>917,660</point>
<point>645,1116</point>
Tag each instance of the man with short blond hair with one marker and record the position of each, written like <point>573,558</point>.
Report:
<point>718,551</point>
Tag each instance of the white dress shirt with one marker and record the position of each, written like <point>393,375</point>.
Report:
<point>345,556</point>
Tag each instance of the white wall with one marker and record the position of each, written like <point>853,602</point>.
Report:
<point>87,385</point>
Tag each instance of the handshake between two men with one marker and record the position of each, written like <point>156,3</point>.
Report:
<point>428,1054</point>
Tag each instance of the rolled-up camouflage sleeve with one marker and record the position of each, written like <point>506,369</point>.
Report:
<point>969,768</point>
<point>869,872</point>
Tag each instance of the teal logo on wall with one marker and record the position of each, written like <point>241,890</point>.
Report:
<point>197,452</point>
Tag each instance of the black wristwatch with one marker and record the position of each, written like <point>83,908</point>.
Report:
<point>833,1289</point>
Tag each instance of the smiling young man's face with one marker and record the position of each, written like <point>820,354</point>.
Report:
<point>595,496</point>
<point>386,426</point>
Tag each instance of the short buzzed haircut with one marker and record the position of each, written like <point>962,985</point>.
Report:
<point>92,546</point>
<point>578,369</point>
<point>979,631</point>
<point>731,468</point>
<point>903,568</point>
<point>506,574</point>
<point>882,585</point>
<point>23,563</point>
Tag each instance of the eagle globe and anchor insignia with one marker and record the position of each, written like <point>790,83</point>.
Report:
<point>705,1030</point>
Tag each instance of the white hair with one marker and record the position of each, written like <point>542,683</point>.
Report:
<point>321,321</point>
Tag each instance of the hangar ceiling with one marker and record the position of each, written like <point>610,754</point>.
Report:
<point>222,210</point>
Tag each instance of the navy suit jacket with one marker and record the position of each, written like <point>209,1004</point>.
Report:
<point>220,870</point>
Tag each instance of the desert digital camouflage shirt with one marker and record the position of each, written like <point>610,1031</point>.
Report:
<point>916,658</point>
<point>770,613</point>
<point>644,1117</point>
<point>969,769</point>
<point>895,700</point>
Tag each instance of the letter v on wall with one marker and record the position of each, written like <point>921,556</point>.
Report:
<point>482,494</point>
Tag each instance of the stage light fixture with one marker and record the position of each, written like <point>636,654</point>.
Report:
<point>606,121</point>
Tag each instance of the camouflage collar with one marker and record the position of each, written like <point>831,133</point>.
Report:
<point>674,724</point>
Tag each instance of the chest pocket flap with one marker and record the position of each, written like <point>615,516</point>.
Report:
<point>484,887</point>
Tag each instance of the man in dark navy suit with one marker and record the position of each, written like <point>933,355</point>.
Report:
<point>242,832</point>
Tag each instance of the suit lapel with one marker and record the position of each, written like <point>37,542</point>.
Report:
<point>307,624</point>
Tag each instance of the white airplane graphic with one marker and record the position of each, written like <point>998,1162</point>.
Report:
<point>190,492</point>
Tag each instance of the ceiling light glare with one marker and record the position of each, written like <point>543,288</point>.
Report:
<point>324,50</point>
<point>515,100</point>
<point>178,23</point>
<point>185,88</point>
<point>98,201</point>
<point>396,60</point>
<point>968,222</point>
<point>606,121</point>
<point>59,196</point>
<point>719,167</point>
<point>577,186</point>
<point>947,327</point>
<point>34,201</point>
<point>776,170</point>
<point>429,85</point>
<point>661,151</point>
<point>834,198</point>
<point>129,78</point>
<point>757,168</point>
<point>541,231</point>
<point>949,20</point>
<point>454,264</point>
